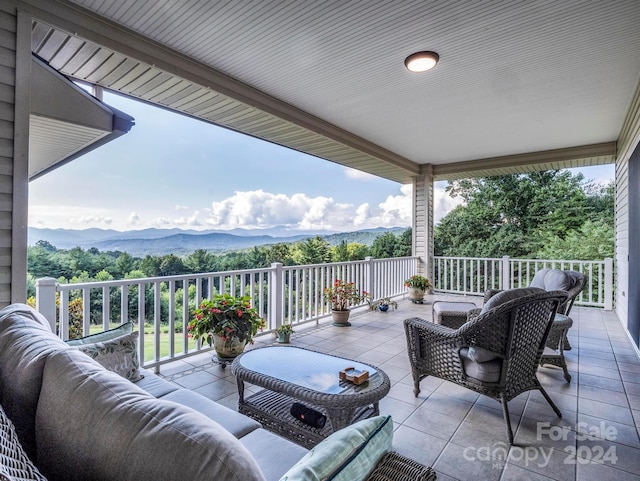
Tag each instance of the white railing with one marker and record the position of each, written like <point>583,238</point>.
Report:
<point>157,304</point>
<point>473,276</point>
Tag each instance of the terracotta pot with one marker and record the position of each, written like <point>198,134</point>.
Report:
<point>341,318</point>
<point>415,294</point>
<point>228,349</point>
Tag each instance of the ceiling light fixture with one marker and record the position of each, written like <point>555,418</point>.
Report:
<point>421,61</point>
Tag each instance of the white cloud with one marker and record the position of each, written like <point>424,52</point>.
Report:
<point>442,202</point>
<point>134,220</point>
<point>255,209</point>
<point>90,220</point>
<point>358,174</point>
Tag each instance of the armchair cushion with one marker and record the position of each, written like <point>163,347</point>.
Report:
<point>508,295</point>
<point>552,280</point>
<point>485,371</point>
<point>480,354</point>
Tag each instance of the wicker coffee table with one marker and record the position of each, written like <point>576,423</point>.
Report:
<point>293,374</point>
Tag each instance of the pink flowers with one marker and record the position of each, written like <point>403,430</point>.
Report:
<point>343,295</point>
<point>226,317</point>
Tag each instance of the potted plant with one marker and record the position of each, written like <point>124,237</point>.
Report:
<point>417,286</point>
<point>226,322</point>
<point>283,333</point>
<point>383,304</point>
<point>341,296</point>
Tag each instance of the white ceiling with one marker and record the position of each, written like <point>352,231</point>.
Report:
<point>515,77</point>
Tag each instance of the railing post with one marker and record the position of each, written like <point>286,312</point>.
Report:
<point>46,299</point>
<point>608,284</point>
<point>368,278</point>
<point>506,273</point>
<point>276,295</point>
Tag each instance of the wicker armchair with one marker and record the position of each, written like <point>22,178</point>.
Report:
<point>495,354</point>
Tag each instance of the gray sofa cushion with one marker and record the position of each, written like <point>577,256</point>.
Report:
<point>263,444</point>
<point>155,385</point>
<point>237,424</point>
<point>92,424</point>
<point>25,341</point>
<point>508,295</point>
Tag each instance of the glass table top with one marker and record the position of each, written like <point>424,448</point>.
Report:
<point>310,369</point>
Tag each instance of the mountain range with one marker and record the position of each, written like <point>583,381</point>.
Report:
<point>140,243</point>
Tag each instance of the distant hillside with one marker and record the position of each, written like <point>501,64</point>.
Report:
<point>179,242</point>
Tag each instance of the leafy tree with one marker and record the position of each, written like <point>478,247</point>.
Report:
<point>199,261</point>
<point>357,251</point>
<point>340,253</point>
<point>593,241</point>
<point>171,265</point>
<point>151,266</point>
<point>507,215</point>
<point>312,251</point>
<point>384,246</point>
<point>404,243</point>
<point>46,245</point>
<point>124,264</point>
<point>279,253</point>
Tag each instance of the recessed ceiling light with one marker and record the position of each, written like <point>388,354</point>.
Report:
<point>421,61</point>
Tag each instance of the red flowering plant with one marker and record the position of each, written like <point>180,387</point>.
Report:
<point>227,317</point>
<point>342,295</point>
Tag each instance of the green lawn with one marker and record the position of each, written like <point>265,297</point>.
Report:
<point>149,341</point>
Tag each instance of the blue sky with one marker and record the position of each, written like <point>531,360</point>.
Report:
<point>173,171</point>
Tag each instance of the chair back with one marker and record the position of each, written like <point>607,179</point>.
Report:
<point>517,331</point>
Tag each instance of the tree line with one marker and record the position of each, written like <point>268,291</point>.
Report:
<point>80,265</point>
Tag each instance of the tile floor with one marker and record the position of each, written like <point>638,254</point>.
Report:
<point>462,434</point>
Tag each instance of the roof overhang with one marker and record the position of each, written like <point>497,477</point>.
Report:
<point>542,95</point>
<point>66,122</point>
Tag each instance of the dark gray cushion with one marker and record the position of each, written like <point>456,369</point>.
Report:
<point>488,371</point>
<point>92,424</point>
<point>237,424</point>
<point>508,295</point>
<point>263,444</point>
<point>25,341</point>
<point>154,384</point>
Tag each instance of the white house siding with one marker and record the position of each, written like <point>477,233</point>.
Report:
<point>8,27</point>
<point>622,240</point>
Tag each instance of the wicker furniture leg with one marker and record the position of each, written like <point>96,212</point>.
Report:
<point>556,344</point>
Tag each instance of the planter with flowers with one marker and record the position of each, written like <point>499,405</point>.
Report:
<point>341,296</point>
<point>383,304</point>
<point>283,333</point>
<point>226,322</point>
<point>417,287</point>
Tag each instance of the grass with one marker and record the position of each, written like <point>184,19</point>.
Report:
<point>149,341</point>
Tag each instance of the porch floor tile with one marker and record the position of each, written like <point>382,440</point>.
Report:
<point>463,434</point>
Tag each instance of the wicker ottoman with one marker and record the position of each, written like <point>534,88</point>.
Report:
<point>452,314</point>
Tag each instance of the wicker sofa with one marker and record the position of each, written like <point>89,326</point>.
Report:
<point>65,416</point>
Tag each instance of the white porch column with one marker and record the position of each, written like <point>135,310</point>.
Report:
<point>422,224</point>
